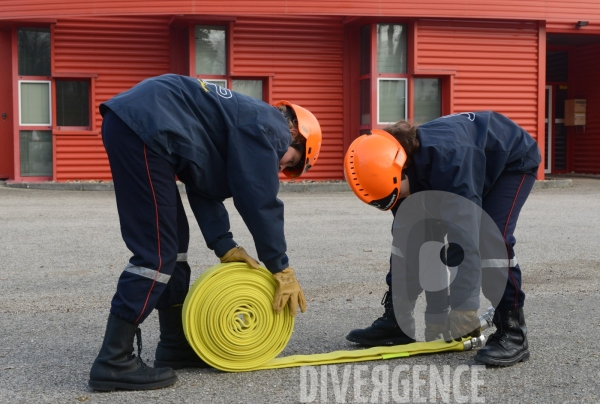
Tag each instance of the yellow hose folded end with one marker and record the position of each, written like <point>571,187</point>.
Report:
<point>228,318</point>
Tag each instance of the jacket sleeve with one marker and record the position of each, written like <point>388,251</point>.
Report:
<point>213,219</point>
<point>253,166</point>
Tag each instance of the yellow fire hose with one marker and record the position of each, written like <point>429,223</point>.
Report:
<point>229,321</point>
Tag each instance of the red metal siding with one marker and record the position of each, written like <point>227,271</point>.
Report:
<point>496,65</point>
<point>552,10</point>
<point>122,51</point>
<point>305,55</point>
<point>6,107</point>
<point>586,81</point>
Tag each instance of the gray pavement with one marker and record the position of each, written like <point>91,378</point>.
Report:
<point>61,254</point>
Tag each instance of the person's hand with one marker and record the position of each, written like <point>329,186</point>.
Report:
<point>288,290</point>
<point>238,254</point>
<point>433,331</point>
<point>464,324</point>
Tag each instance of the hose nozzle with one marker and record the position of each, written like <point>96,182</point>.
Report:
<point>485,322</point>
<point>486,319</point>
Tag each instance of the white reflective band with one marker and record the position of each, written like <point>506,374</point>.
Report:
<point>396,251</point>
<point>499,263</point>
<point>182,257</point>
<point>148,273</point>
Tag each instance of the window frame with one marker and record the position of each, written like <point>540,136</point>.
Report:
<point>378,110</point>
<point>374,76</point>
<point>69,128</point>
<point>36,126</point>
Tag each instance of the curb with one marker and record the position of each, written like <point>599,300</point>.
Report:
<point>558,183</point>
<point>284,187</point>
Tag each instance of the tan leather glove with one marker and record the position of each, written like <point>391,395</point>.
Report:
<point>288,289</point>
<point>433,331</point>
<point>238,254</point>
<point>463,324</point>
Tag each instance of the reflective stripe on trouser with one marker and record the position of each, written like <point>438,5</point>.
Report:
<point>151,216</point>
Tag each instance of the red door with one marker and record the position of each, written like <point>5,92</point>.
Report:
<point>6,107</point>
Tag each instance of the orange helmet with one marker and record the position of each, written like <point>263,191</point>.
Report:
<point>373,168</point>
<point>309,128</point>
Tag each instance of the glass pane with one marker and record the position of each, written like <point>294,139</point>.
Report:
<point>72,103</point>
<point>391,48</point>
<point>36,153</point>
<point>210,50</point>
<point>557,66</point>
<point>392,101</point>
<point>365,49</point>
<point>428,100</point>
<point>560,146</point>
<point>34,51</point>
<point>35,103</point>
<point>253,88</point>
<point>220,83</point>
<point>365,102</point>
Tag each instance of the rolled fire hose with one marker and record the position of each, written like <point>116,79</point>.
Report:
<point>229,321</point>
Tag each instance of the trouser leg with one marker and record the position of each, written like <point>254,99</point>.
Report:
<point>179,284</point>
<point>503,204</point>
<point>145,191</point>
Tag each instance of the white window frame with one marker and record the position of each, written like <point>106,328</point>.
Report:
<point>405,97</point>
<point>218,82</point>
<point>49,82</point>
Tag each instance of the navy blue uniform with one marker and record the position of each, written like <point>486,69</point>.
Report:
<point>220,144</point>
<point>486,158</point>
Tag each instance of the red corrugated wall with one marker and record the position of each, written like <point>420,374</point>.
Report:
<point>305,55</point>
<point>122,51</point>
<point>585,140</point>
<point>496,65</point>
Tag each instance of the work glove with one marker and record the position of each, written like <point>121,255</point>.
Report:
<point>238,254</point>
<point>433,331</point>
<point>463,324</point>
<point>288,290</point>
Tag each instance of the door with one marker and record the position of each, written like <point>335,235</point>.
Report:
<point>6,107</point>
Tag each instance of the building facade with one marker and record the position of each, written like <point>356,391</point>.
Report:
<point>356,65</point>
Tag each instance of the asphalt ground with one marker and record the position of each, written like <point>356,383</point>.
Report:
<point>61,254</point>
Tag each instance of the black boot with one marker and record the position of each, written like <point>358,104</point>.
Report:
<point>508,345</point>
<point>173,349</point>
<point>384,330</point>
<point>117,367</point>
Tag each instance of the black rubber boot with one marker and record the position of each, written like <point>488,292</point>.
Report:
<point>117,367</point>
<point>508,345</point>
<point>173,349</point>
<point>384,330</point>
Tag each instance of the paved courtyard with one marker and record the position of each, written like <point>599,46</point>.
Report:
<point>61,254</point>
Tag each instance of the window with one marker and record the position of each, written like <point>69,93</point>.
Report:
<point>33,51</point>
<point>36,153</point>
<point>210,63</point>
<point>73,103</point>
<point>382,74</point>
<point>253,88</point>
<point>427,99</point>
<point>35,101</point>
